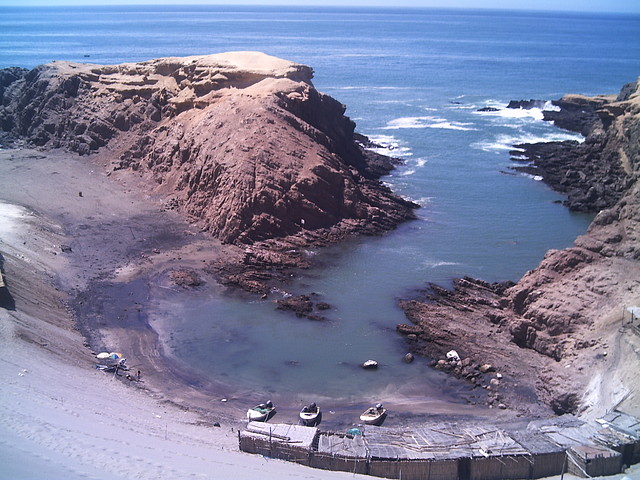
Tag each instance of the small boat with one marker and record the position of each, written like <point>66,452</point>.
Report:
<point>374,415</point>
<point>261,413</point>
<point>310,416</point>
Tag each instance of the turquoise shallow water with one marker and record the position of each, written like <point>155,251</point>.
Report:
<point>413,80</point>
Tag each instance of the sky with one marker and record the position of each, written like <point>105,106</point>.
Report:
<point>614,6</point>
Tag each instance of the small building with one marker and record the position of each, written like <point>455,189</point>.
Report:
<point>287,442</point>
<point>621,432</point>
<point>593,460</point>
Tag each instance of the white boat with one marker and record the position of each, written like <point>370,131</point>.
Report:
<point>310,416</point>
<point>261,413</point>
<point>370,365</point>
<point>374,415</point>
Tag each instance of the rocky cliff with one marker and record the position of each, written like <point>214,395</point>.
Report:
<point>594,174</point>
<point>240,142</point>
<point>552,331</point>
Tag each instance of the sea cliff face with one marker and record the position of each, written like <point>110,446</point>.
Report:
<point>559,322</point>
<point>594,174</point>
<point>240,142</point>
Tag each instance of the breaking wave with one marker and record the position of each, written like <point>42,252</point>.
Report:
<point>503,143</point>
<point>390,146</point>
<point>426,122</point>
<point>501,110</point>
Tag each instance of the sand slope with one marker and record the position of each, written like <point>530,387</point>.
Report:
<point>60,418</point>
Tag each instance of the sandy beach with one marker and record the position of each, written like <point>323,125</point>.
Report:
<point>62,236</point>
<point>60,417</point>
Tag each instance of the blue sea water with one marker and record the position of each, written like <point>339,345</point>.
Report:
<point>412,79</point>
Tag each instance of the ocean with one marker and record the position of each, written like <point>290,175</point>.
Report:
<point>412,80</point>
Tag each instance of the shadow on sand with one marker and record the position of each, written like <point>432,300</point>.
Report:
<point>6,300</point>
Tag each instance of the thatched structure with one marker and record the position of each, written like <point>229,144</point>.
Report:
<point>458,451</point>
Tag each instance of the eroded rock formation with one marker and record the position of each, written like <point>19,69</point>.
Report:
<point>241,142</point>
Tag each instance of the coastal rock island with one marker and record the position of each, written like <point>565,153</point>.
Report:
<point>563,335</point>
<point>240,142</point>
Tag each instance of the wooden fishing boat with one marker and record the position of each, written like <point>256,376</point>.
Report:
<point>310,416</point>
<point>261,413</point>
<point>374,415</point>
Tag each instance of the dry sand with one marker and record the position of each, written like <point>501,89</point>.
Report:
<point>59,417</point>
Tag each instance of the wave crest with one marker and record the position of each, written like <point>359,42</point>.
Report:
<point>426,122</point>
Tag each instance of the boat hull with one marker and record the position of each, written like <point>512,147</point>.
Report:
<point>373,419</point>
<point>254,415</point>
<point>310,419</point>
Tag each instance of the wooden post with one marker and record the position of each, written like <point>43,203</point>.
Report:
<point>564,465</point>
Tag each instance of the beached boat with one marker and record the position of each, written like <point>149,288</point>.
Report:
<point>374,415</point>
<point>310,416</point>
<point>261,413</point>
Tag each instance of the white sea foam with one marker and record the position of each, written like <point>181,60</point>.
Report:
<point>383,139</point>
<point>412,167</point>
<point>389,146</point>
<point>537,178</point>
<point>502,111</point>
<point>426,122</point>
<point>503,143</point>
<point>409,122</point>
<point>422,201</point>
<point>429,263</point>
<point>463,106</point>
<point>452,126</point>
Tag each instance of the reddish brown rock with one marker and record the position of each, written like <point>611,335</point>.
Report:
<point>185,278</point>
<point>242,143</point>
<point>541,332</point>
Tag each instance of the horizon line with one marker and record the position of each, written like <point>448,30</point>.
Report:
<point>318,4</point>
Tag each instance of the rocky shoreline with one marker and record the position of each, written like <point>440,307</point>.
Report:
<point>593,174</point>
<point>549,335</point>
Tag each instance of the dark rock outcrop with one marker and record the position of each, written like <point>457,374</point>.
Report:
<point>527,104</point>
<point>303,306</point>
<point>594,174</point>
